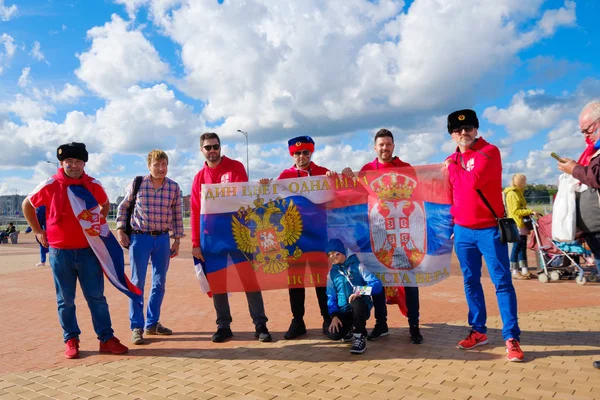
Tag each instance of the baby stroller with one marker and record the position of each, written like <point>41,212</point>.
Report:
<point>557,260</point>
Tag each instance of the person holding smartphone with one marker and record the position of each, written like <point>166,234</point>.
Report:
<point>349,289</point>
<point>587,171</point>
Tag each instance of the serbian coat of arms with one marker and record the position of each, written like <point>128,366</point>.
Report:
<point>263,232</point>
<point>397,222</point>
<point>93,222</point>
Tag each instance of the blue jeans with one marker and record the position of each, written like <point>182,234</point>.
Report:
<point>68,266</point>
<point>43,252</point>
<point>470,245</point>
<point>145,247</point>
<point>519,250</point>
<point>593,241</point>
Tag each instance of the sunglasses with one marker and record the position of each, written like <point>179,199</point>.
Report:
<point>466,128</point>
<point>305,153</point>
<point>587,130</point>
<point>209,147</point>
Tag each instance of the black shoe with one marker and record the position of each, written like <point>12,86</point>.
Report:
<point>221,335</point>
<point>262,334</point>
<point>596,364</point>
<point>380,330</point>
<point>349,337</point>
<point>415,335</point>
<point>360,343</point>
<point>326,323</point>
<point>297,328</point>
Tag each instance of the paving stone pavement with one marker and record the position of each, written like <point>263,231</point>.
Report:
<point>560,323</point>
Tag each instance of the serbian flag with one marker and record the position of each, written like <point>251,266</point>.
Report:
<point>398,223</point>
<point>101,240</point>
<point>261,237</point>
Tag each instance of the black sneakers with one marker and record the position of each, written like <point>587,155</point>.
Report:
<point>349,336</point>
<point>415,335</point>
<point>596,364</point>
<point>380,330</point>
<point>297,328</point>
<point>221,335</point>
<point>262,334</point>
<point>158,329</point>
<point>360,343</point>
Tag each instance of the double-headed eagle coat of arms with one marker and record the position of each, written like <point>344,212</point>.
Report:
<point>262,233</point>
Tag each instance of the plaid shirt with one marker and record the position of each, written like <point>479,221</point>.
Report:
<point>155,210</point>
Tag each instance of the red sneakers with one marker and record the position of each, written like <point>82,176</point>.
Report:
<point>513,351</point>
<point>473,340</point>
<point>72,348</point>
<point>114,346</point>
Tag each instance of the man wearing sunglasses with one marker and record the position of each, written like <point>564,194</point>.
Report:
<point>220,169</point>
<point>301,149</point>
<point>385,159</point>
<point>587,171</point>
<point>475,171</point>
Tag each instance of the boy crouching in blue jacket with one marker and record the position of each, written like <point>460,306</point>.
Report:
<point>349,290</point>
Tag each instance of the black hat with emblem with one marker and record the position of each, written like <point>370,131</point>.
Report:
<point>462,118</point>
<point>72,150</point>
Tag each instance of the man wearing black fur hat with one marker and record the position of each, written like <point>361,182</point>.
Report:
<point>71,257</point>
<point>475,172</point>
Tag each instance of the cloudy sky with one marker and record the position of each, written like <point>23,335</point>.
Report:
<point>127,76</point>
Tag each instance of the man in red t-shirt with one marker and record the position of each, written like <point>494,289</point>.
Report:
<point>220,169</point>
<point>384,149</point>
<point>71,257</point>
<point>301,149</point>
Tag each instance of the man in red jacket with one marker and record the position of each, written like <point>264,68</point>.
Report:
<point>475,172</point>
<point>220,169</point>
<point>384,149</point>
<point>301,149</point>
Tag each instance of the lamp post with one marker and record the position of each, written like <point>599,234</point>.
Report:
<point>247,165</point>
<point>52,162</point>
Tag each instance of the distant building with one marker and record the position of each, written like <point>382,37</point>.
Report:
<point>10,205</point>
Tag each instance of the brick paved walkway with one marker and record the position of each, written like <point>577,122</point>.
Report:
<point>560,323</point>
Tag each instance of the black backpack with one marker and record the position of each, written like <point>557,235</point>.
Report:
<point>136,187</point>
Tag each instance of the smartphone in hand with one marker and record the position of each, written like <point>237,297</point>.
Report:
<point>556,157</point>
<point>363,290</point>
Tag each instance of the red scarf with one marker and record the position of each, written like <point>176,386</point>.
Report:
<point>61,204</point>
<point>586,156</point>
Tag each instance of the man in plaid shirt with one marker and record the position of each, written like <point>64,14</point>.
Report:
<point>157,211</point>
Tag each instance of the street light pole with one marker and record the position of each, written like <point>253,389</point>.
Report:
<point>247,165</point>
<point>52,162</point>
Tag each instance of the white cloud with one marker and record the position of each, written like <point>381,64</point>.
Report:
<point>6,13</point>
<point>36,52</point>
<point>146,118</point>
<point>26,108</point>
<point>9,50</point>
<point>343,64</point>
<point>24,79</point>
<point>521,119</point>
<point>119,58</point>
<point>131,6</point>
<point>68,94</point>
<point>553,19</point>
